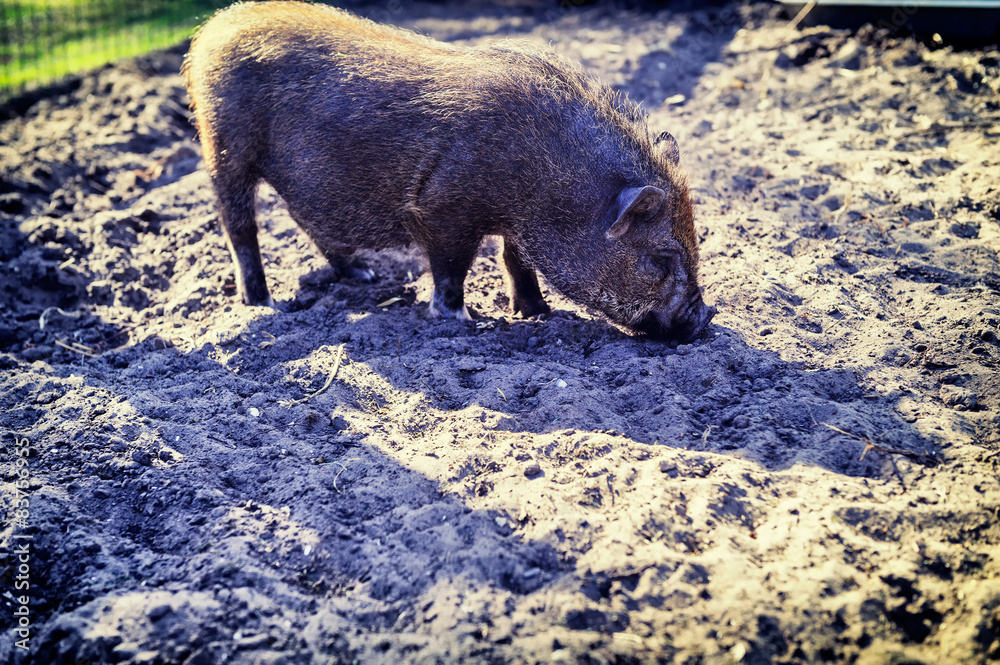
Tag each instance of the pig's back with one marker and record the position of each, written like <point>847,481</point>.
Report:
<point>321,105</point>
<point>359,126</point>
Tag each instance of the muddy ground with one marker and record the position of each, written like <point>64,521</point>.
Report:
<point>813,481</point>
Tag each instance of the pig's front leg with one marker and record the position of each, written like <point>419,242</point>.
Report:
<point>525,295</point>
<point>449,272</point>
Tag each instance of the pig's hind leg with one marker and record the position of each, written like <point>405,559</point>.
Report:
<point>236,206</point>
<point>525,294</point>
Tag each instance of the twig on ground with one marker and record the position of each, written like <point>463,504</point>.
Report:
<point>218,440</point>
<point>865,217</point>
<point>343,467</point>
<point>847,203</point>
<point>628,637</point>
<point>73,347</point>
<point>794,23</point>
<point>49,310</point>
<point>124,331</point>
<point>336,367</point>
<point>808,406</point>
<point>871,446</point>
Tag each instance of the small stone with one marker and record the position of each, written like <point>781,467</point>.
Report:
<point>561,384</point>
<point>100,494</point>
<point>765,330</point>
<point>47,397</point>
<point>253,641</point>
<point>142,457</point>
<point>466,364</point>
<point>532,342</point>
<point>666,466</point>
<point>958,398</point>
<point>146,657</point>
<point>157,612</point>
<point>741,422</point>
<point>124,651</point>
<point>532,470</point>
<point>254,411</point>
<point>847,57</point>
<point>105,457</point>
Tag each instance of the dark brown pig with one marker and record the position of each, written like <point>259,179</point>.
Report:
<point>378,137</point>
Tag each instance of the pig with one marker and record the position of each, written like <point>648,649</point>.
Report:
<point>378,137</point>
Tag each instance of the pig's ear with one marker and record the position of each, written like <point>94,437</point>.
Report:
<point>668,146</point>
<point>636,204</point>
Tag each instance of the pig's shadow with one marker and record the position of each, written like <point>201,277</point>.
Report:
<point>565,371</point>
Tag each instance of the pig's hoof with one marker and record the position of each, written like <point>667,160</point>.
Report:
<point>529,308</point>
<point>359,270</point>
<point>259,302</point>
<point>438,310</point>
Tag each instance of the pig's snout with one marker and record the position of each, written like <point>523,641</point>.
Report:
<point>684,326</point>
<point>705,317</point>
<point>696,318</point>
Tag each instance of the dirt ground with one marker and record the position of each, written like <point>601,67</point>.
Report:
<point>814,481</point>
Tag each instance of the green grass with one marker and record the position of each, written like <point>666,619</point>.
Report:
<point>43,40</point>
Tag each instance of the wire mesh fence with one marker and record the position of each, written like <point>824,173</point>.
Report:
<point>44,40</point>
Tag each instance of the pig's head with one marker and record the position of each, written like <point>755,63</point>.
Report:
<point>648,278</point>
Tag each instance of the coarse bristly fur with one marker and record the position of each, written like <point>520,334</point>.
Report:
<point>376,137</point>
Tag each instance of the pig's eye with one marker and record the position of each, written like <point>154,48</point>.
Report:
<point>665,262</point>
